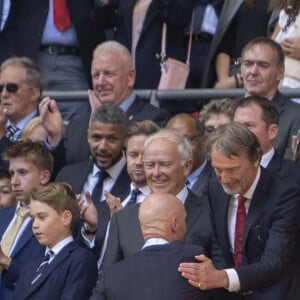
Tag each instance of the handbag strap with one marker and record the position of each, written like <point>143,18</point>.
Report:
<point>164,38</point>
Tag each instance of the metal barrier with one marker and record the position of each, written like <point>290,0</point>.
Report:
<point>155,96</point>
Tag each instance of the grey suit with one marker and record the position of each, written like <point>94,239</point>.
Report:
<point>125,235</point>
<point>289,123</point>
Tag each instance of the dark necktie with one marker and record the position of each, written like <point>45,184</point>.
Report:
<point>239,230</point>
<point>61,13</point>
<point>97,191</point>
<point>10,131</point>
<point>133,197</point>
<point>42,267</point>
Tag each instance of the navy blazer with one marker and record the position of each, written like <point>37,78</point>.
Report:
<point>26,248</point>
<point>76,131</point>
<point>71,275</point>
<point>76,175</point>
<point>151,274</point>
<point>270,252</point>
<point>126,238</point>
<point>23,31</point>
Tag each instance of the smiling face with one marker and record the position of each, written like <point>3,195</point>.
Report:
<point>260,71</point>
<point>113,79</point>
<point>17,105</point>
<point>106,143</point>
<point>164,168</point>
<point>235,173</point>
<point>49,226</point>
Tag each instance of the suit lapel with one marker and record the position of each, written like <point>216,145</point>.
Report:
<point>275,163</point>
<point>133,110</point>
<point>151,14</point>
<point>59,258</point>
<point>191,203</point>
<point>121,187</point>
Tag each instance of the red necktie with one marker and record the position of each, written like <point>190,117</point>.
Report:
<point>62,18</point>
<point>239,230</point>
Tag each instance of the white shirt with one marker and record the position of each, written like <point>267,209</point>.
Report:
<point>234,282</point>
<point>58,247</point>
<point>266,158</point>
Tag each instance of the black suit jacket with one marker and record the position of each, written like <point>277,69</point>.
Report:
<point>23,31</point>
<point>71,275</point>
<point>289,123</point>
<point>76,131</point>
<point>152,273</point>
<point>270,263</point>
<point>286,168</point>
<point>76,175</point>
<point>126,238</point>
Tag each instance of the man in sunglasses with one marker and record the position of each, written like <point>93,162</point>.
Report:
<point>20,90</point>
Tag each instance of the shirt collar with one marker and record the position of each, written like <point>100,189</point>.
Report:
<point>58,247</point>
<point>266,158</point>
<point>195,174</point>
<point>124,105</point>
<point>250,192</point>
<point>23,122</point>
<point>155,241</point>
<point>182,195</point>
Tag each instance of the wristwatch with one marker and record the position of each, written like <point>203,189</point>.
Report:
<point>86,229</point>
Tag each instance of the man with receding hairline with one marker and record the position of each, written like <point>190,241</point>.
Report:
<point>152,272</point>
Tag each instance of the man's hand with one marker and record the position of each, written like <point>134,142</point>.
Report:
<point>94,101</point>
<point>291,47</point>
<point>2,122</point>
<point>88,212</point>
<point>204,275</point>
<point>51,120</point>
<point>113,202</point>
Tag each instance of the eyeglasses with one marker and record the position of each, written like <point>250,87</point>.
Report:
<point>10,87</point>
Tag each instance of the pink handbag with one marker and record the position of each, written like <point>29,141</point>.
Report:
<point>174,73</point>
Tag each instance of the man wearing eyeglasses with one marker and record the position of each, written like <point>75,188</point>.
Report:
<point>20,90</point>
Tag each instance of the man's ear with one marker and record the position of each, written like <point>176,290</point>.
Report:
<point>67,217</point>
<point>45,177</point>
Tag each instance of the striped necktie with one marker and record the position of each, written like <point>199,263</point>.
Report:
<point>43,266</point>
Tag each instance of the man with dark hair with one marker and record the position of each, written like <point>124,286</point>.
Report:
<point>262,118</point>
<point>255,218</point>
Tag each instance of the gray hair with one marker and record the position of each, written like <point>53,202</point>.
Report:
<point>33,75</point>
<point>109,114</point>
<point>183,145</point>
<point>116,48</point>
<point>235,139</point>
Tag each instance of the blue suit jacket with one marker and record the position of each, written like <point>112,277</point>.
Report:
<point>270,252</point>
<point>76,175</point>
<point>71,275</point>
<point>152,273</point>
<point>26,248</point>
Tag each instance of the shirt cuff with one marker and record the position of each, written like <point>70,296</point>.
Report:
<point>89,243</point>
<point>234,281</point>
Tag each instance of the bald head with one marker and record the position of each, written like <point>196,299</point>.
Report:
<point>162,215</point>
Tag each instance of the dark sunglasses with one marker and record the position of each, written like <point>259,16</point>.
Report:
<point>10,87</point>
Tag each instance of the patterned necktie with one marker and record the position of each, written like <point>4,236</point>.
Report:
<point>10,132</point>
<point>61,13</point>
<point>239,230</point>
<point>10,237</point>
<point>44,264</point>
<point>133,197</point>
<point>97,191</point>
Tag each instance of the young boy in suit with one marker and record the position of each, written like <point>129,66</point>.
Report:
<point>66,270</point>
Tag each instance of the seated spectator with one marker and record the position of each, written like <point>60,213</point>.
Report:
<point>34,131</point>
<point>65,270</point>
<point>215,113</point>
<point>7,197</point>
<point>152,272</point>
<point>113,80</point>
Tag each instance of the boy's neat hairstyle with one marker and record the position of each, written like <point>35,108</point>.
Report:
<point>34,152</point>
<point>59,196</point>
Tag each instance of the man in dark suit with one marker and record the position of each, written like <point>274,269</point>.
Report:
<point>167,160</point>
<point>152,272</point>
<point>106,136</point>
<point>262,70</point>
<point>255,218</point>
<point>194,131</point>
<point>30,164</point>
<point>262,118</point>
<point>113,78</point>
<point>63,54</point>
